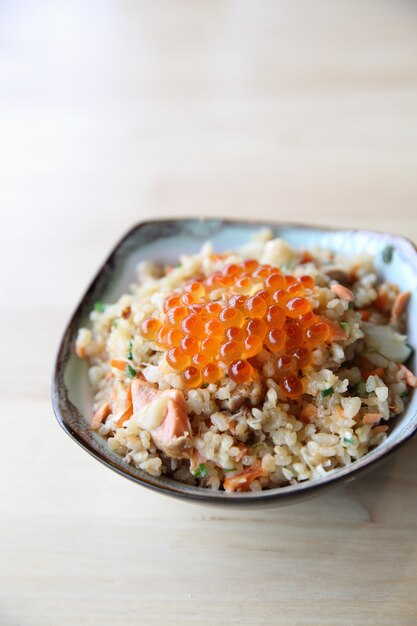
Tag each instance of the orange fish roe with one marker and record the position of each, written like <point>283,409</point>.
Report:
<point>244,285</point>
<point>171,301</point>
<point>230,351</point>
<point>200,359</point>
<point>175,315</point>
<point>196,288</point>
<point>297,306</point>
<point>192,377</point>
<point>211,373</point>
<point>303,357</point>
<point>256,327</point>
<point>236,333</point>
<point>190,345</point>
<point>213,327</point>
<point>274,282</point>
<point>275,340</point>
<point>256,309</point>
<point>177,359</point>
<point>316,333</point>
<point>241,372</point>
<point>193,325</point>
<point>250,265</point>
<point>252,346</point>
<point>231,317</point>
<point>214,309</point>
<point>173,338</point>
<point>255,306</point>
<point>150,328</point>
<point>291,386</point>
<point>275,316</point>
<point>306,281</point>
<point>210,346</point>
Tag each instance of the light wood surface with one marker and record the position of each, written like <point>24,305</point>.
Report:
<point>114,112</point>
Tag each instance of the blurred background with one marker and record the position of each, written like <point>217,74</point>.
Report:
<point>115,111</point>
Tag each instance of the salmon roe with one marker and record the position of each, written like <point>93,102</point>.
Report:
<point>255,308</point>
<point>241,372</point>
<point>150,328</point>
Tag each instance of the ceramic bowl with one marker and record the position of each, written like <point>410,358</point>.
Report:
<point>163,241</point>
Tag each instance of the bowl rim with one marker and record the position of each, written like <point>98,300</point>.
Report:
<point>63,407</point>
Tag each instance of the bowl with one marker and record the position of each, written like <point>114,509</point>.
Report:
<point>163,241</point>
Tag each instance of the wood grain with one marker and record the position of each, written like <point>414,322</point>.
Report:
<point>114,112</point>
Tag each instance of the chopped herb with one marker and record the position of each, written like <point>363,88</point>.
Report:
<point>348,440</point>
<point>327,392</point>
<point>360,388</point>
<point>205,385</point>
<point>201,471</point>
<point>99,306</point>
<point>130,371</point>
<point>129,354</point>
<point>387,254</point>
<point>404,394</point>
<point>229,469</point>
<point>350,305</point>
<point>344,325</point>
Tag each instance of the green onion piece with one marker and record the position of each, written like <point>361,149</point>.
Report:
<point>404,394</point>
<point>348,440</point>
<point>129,354</point>
<point>205,385</point>
<point>229,469</point>
<point>327,392</point>
<point>130,371</point>
<point>99,306</point>
<point>360,388</point>
<point>350,305</point>
<point>344,325</point>
<point>387,254</point>
<point>201,471</point>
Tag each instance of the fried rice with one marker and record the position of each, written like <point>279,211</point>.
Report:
<point>252,426</point>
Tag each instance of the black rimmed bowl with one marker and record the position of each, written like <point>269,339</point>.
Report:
<point>163,241</point>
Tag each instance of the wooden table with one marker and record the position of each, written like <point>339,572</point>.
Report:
<point>111,113</point>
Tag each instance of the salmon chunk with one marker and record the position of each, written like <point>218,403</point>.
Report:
<point>171,430</point>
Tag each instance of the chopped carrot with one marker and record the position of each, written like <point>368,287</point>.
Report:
<point>126,312</point>
<point>308,413</point>
<point>120,365</point>
<point>342,292</point>
<point>379,429</point>
<point>243,480</point>
<point>381,302</point>
<point>378,371</point>
<point>371,418</point>
<point>305,257</point>
<point>100,415</point>
<point>399,306</point>
<point>128,412</point>
<point>365,314</point>
<point>409,377</point>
